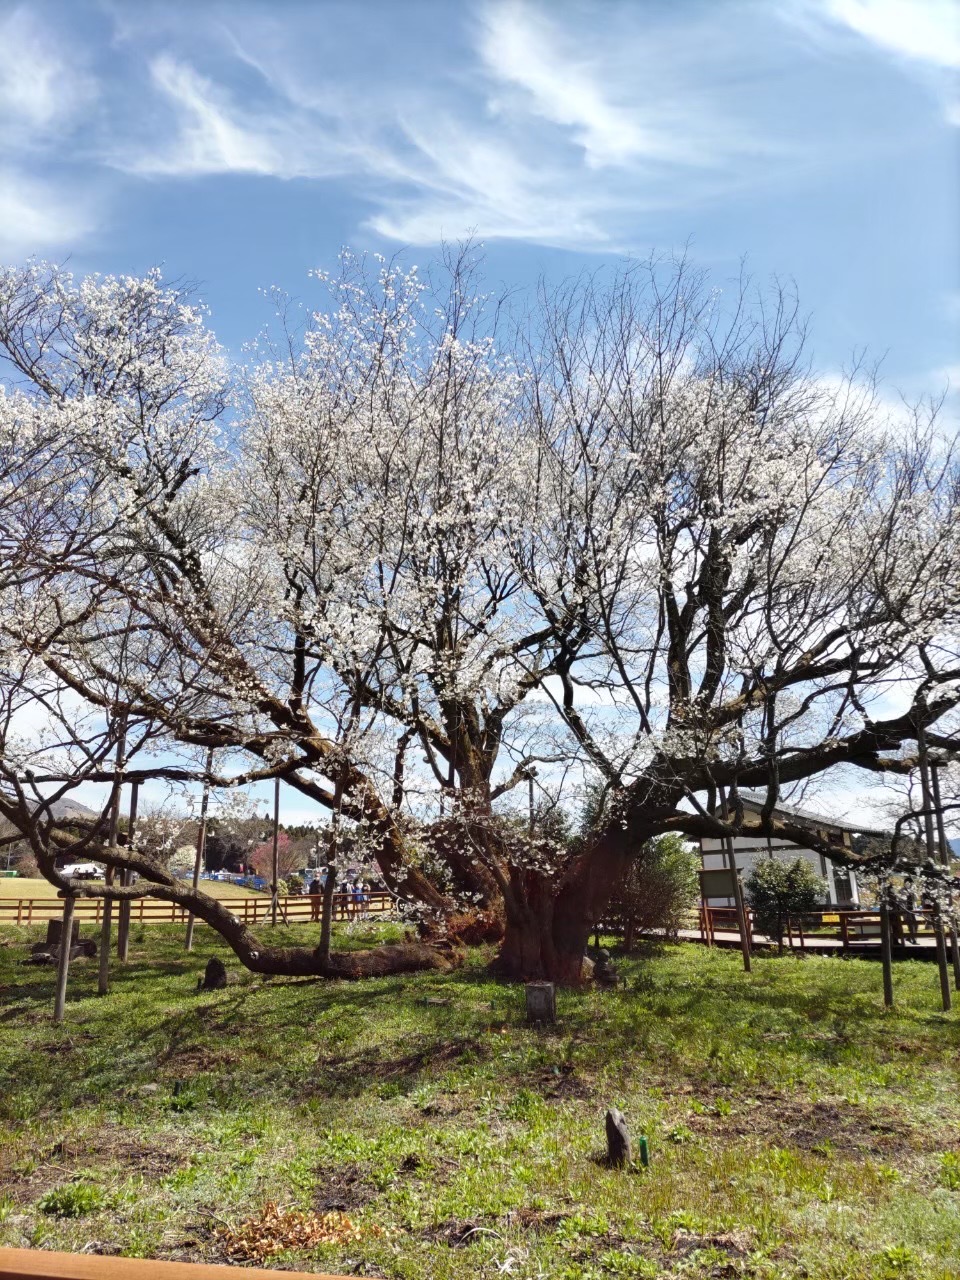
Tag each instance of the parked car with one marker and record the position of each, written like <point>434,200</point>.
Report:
<point>83,871</point>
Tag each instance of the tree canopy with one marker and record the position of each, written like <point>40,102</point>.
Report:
<point>427,552</point>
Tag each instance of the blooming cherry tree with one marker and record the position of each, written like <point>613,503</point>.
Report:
<point>408,561</point>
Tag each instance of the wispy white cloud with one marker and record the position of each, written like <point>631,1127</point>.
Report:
<point>214,134</point>
<point>44,95</point>
<point>209,138</point>
<point>926,31</point>
<point>38,216</point>
<point>541,125</point>
<point>522,48</point>
<point>923,35</point>
<point>556,131</point>
<point>42,87</point>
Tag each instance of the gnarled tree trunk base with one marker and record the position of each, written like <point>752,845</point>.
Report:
<point>532,953</point>
<point>465,929</point>
<point>403,957</point>
<point>376,962</point>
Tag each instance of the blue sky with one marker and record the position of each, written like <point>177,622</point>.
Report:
<point>240,145</point>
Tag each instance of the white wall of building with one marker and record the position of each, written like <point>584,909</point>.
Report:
<point>748,851</point>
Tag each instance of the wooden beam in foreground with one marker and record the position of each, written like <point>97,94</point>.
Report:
<point>44,1264</point>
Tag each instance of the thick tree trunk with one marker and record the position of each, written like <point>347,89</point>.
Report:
<point>548,921</point>
<point>543,938</point>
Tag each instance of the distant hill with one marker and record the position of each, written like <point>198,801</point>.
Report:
<point>72,809</point>
<point>62,809</point>
<point>955,847</point>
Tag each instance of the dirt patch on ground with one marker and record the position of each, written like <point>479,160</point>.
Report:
<point>25,1175</point>
<point>342,1188</point>
<point>442,1107</point>
<point>834,1125</point>
<point>195,1060</point>
<point>351,1074</point>
<point>457,1233</point>
<point>562,1084</point>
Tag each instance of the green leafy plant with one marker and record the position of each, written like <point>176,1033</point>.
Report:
<point>778,889</point>
<point>679,1134</point>
<point>659,890</point>
<point>950,1171</point>
<point>72,1200</point>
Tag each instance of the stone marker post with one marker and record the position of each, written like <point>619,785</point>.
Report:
<point>619,1151</point>
<point>541,1002</point>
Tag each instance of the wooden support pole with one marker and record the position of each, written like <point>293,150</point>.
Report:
<point>275,864</point>
<point>886,950</point>
<point>742,920</point>
<point>201,844</point>
<point>943,965</point>
<point>330,884</point>
<point>106,927</point>
<point>936,855</point>
<point>123,916</point>
<point>63,965</point>
<point>945,856</point>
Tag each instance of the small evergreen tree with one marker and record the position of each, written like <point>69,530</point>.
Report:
<point>660,889</point>
<point>777,889</point>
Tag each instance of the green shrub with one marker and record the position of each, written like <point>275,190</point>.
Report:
<point>660,889</point>
<point>950,1171</point>
<point>72,1200</point>
<point>777,889</point>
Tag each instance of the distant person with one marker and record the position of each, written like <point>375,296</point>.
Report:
<point>315,890</point>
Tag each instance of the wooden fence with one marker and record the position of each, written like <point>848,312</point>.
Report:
<point>250,909</point>
<point>44,1264</point>
<point>852,929</point>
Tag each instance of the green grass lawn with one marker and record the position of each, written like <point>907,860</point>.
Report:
<point>795,1128</point>
<point>22,887</point>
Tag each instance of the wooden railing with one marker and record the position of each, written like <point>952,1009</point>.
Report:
<point>853,927</point>
<point>249,909</point>
<point>43,1264</point>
